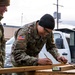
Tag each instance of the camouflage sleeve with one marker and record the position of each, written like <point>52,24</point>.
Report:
<point>19,50</point>
<point>2,49</point>
<point>51,47</point>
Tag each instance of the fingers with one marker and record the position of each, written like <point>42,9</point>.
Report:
<point>62,60</point>
<point>49,61</point>
<point>45,61</point>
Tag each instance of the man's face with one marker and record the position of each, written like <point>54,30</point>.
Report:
<point>43,31</point>
<point>3,9</point>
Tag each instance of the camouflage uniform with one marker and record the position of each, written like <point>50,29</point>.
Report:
<point>2,40</point>
<point>28,44</point>
<point>2,46</point>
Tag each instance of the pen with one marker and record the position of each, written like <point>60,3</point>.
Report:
<point>46,56</point>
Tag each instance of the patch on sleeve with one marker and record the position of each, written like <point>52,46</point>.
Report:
<point>21,37</point>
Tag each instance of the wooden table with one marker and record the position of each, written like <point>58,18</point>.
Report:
<point>66,69</point>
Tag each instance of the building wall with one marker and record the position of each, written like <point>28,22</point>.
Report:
<point>9,31</point>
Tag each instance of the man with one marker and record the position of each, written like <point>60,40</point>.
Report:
<point>3,8</point>
<point>30,39</point>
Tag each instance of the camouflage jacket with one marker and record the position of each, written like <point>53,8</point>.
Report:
<point>28,44</point>
<point>2,46</point>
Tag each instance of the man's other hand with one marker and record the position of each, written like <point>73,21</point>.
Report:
<point>62,59</point>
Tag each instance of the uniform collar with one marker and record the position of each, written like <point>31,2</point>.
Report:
<point>36,31</point>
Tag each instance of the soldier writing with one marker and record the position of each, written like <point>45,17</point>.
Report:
<point>30,39</point>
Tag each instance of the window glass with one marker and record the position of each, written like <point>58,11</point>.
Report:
<point>58,41</point>
<point>56,35</point>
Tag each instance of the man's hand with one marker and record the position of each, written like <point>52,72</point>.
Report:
<point>62,59</point>
<point>44,61</point>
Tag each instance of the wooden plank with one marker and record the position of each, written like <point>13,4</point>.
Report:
<point>70,71</point>
<point>65,70</point>
<point>50,72</point>
<point>27,68</point>
<point>65,67</point>
<point>53,73</point>
<point>62,68</point>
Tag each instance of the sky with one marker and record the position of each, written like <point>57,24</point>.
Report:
<point>21,12</point>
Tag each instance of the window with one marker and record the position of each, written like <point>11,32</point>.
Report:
<point>58,41</point>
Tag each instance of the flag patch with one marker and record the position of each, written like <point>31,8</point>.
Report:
<point>21,38</point>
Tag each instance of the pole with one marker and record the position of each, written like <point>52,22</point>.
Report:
<point>57,14</point>
<point>21,19</point>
